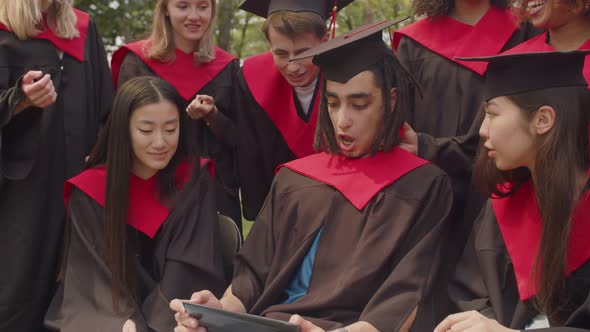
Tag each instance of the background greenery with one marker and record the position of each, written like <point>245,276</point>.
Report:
<point>123,21</point>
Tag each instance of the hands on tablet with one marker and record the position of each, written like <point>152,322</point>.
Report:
<point>186,323</point>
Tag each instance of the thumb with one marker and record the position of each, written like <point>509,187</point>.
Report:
<point>205,99</point>
<point>32,75</point>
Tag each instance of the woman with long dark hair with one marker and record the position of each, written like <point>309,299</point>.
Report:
<point>141,229</point>
<point>55,90</point>
<point>181,50</point>
<point>526,263</point>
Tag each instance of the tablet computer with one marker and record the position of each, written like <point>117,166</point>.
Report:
<point>215,320</point>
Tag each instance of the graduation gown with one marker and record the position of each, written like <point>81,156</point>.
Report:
<point>272,126</point>
<point>39,150</point>
<point>448,113</point>
<point>485,281</point>
<point>214,79</point>
<point>377,255</point>
<point>171,256</point>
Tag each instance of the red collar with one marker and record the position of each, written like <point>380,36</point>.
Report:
<point>521,225</point>
<point>277,98</point>
<point>73,47</point>
<point>146,212</point>
<point>539,44</point>
<point>183,74</point>
<point>359,180</point>
<point>451,38</point>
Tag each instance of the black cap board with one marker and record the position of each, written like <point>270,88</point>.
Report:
<point>343,57</point>
<point>264,8</point>
<point>510,74</point>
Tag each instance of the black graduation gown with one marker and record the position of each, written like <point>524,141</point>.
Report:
<point>182,258</point>
<point>485,281</point>
<point>375,265</point>
<point>447,117</point>
<point>262,147</point>
<point>40,149</point>
<point>221,150</point>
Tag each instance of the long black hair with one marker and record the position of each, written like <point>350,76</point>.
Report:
<point>561,156</point>
<point>113,150</point>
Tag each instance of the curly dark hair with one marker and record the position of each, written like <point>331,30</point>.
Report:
<point>434,8</point>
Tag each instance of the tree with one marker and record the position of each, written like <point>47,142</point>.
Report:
<point>123,21</point>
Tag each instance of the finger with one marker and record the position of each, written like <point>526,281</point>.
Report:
<point>296,319</point>
<point>31,76</point>
<point>201,297</point>
<point>190,322</point>
<point>34,87</point>
<point>41,88</point>
<point>176,305</point>
<point>44,100</point>
<point>451,320</point>
<point>205,99</point>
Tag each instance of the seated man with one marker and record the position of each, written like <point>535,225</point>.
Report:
<point>348,238</point>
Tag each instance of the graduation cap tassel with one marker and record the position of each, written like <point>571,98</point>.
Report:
<point>332,26</point>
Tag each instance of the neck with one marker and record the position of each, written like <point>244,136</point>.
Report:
<point>186,46</point>
<point>571,35</point>
<point>581,179</point>
<point>143,173</point>
<point>469,11</point>
<point>45,4</point>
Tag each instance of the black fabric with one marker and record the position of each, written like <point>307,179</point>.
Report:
<point>510,74</point>
<point>260,149</point>
<point>40,149</point>
<point>265,8</point>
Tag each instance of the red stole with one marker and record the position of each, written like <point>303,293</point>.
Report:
<point>187,77</point>
<point>146,212</point>
<point>73,47</point>
<point>521,225</point>
<point>539,44</point>
<point>450,38</point>
<point>359,180</point>
<point>277,98</point>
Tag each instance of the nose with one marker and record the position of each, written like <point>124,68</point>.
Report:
<point>193,14</point>
<point>343,120</point>
<point>293,67</point>
<point>159,142</point>
<point>484,130</point>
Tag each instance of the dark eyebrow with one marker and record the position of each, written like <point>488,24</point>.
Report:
<point>152,122</point>
<point>330,94</point>
<point>358,95</point>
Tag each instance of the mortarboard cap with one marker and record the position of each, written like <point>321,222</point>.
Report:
<point>264,8</point>
<point>510,74</point>
<point>343,57</point>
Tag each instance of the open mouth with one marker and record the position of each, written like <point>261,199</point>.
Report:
<point>346,142</point>
<point>533,7</point>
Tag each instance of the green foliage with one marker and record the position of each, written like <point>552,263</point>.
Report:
<point>123,21</point>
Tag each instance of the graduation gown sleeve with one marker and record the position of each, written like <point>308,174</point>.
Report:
<point>10,96</point>
<point>485,281</point>
<point>87,302</point>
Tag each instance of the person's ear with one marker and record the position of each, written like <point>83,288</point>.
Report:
<point>393,96</point>
<point>544,120</point>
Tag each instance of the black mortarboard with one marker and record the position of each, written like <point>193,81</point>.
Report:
<point>510,74</point>
<point>264,8</point>
<point>343,57</point>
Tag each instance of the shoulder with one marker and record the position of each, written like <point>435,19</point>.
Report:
<point>288,181</point>
<point>422,183</point>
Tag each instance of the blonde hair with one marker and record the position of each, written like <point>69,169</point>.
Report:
<point>162,43</point>
<point>25,17</point>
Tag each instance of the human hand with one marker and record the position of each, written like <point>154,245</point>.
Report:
<point>304,325</point>
<point>202,107</point>
<point>40,93</point>
<point>410,140</point>
<point>186,323</point>
<point>470,321</point>
<point>129,326</point>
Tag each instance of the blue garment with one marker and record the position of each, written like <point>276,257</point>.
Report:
<point>300,283</point>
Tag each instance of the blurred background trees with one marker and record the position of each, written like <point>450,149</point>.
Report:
<point>123,21</point>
